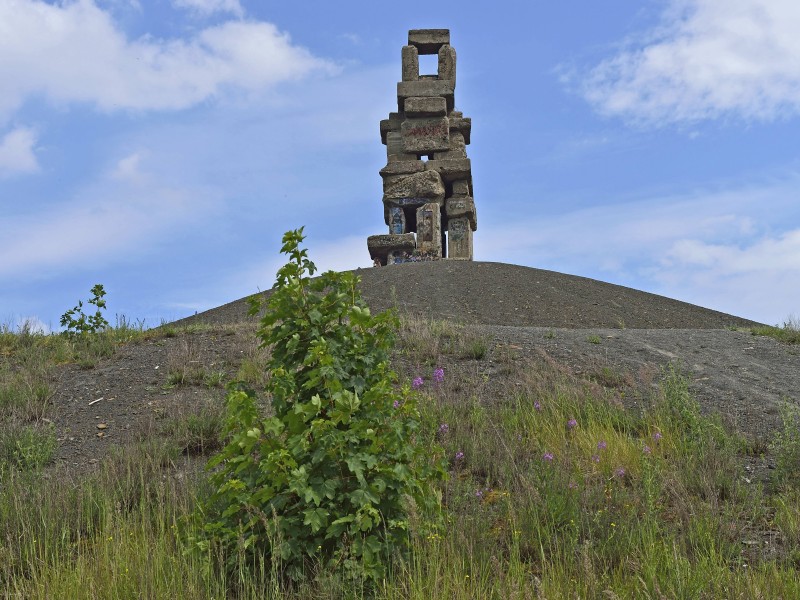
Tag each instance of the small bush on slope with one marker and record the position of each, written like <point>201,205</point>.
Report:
<point>331,479</point>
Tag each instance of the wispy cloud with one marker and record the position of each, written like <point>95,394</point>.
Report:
<point>210,7</point>
<point>708,59</point>
<point>17,152</point>
<point>720,249</point>
<point>74,52</point>
<point>91,229</point>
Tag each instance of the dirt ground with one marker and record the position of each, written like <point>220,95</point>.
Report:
<point>575,321</point>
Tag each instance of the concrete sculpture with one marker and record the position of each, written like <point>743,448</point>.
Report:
<point>427,180</point>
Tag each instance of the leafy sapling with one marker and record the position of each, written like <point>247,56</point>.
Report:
<point>331,480</point>
<point>78,323</point>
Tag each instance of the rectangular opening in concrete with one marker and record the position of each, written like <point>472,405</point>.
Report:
<point>428,65</point>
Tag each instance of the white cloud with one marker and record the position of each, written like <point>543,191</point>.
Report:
<point>209,7</point>
<point>709,59</point>
<point>74,52</point>
<point>16,152</point>
<point>120,216</point>
<point>128,169</point>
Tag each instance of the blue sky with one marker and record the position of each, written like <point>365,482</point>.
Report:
<point>162,147</point>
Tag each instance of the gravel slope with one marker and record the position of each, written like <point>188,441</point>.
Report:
<point>501,294</point>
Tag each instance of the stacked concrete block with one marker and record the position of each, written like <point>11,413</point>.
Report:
<point>427,180</point>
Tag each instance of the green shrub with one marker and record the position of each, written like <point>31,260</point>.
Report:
<point>332,479</point>
<point>76,322</point>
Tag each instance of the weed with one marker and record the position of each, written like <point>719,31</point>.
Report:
<point>593,339</point>
<point>788,334</point>
<point>786,445</point>
<point>28,447</point>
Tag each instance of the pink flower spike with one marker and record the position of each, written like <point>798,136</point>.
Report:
<point>601,445</point>
<point>548,456</point>
<point>619,472</point>
<point>438,375</point>
<point>417,383</point>
<point>537,406</point>
<point>595,458</point>
<point>572,423</point>
<point>657,436</point>
<point>647,450</point>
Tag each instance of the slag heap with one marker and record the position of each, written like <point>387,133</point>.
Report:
<point>427,180</point>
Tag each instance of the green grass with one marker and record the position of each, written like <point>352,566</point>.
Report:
<point>788,334</point>
<point>557,492</point>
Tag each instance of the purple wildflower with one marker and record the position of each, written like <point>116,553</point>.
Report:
<point>548,456</point>
<point>396,404</point>
<point>438,375</point>
<point>572,423</point>
<point>657,436</point>
<point>573,485</point>
<point>417,383</point>
<point>444,428</point>
<point>595,458</point>
<point>619,472</point>
<point>479,494</point>
<point>537,406</point>
<point>647,450</point>
<point>459,455</point>
<point>601,445</point>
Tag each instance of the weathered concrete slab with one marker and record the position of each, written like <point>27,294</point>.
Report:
<point>451,169</point>
<point>425,135</point>
<point>457,149</point>
<point>429,229</point>
<point>395,150</point>
<point>462,207</point>
<point>428,41</point>
<point>461,125</point>
<point>425,107</point>
<point>427,88</point>
<point>380,246</point>
<point>459,239</point>
<point>462,187</point>
<point>405,167</point>
<point>427,184</point>
<point>410,62</point>
<point>447,63</point>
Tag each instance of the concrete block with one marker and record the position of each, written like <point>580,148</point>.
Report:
<point>425,135</point>
<point>405,167</point>
<point>427,184</point>
<point>390,124</point>
<point>425,107</point>
<point>394,148</point>
<point>459,239</point>
<point>429,229</point>
<point>410,61</point>
<point>461,125</point>
<point>451,169</point>
<point>457,149</point>
<point>457,207</point>
<point>447,63</point>
<point>462,187</point>
<point>426,87</point>
<point>380,246</point>
<point>397,220</point>
<point>428,41</point>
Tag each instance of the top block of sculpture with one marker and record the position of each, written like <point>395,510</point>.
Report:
<point>427,180</point>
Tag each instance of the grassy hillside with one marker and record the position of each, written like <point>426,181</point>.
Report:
<point>555,490</point>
